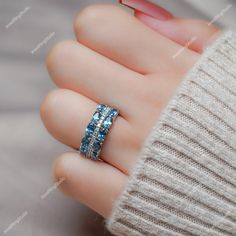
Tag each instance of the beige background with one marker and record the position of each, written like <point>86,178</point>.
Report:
<point>26,150</point>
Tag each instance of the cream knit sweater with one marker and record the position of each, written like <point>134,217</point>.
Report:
<point>185,180</point>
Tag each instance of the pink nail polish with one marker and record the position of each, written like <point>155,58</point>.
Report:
<point>148,8</point>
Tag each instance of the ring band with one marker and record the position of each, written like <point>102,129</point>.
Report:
<point>97,130</point>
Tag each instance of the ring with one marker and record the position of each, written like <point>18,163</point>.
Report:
<point>97,130</point>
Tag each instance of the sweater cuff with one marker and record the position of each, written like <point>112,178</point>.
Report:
<point>185,180</point>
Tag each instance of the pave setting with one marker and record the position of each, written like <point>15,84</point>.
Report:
<point>96,131</point>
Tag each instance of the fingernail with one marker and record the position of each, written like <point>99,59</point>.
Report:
<point>148,8</point>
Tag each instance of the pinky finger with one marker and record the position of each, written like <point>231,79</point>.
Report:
<point>95,184</point>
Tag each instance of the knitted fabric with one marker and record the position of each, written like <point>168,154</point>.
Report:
<point>184,182</point>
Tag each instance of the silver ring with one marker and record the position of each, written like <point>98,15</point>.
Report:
<point>97,130</point>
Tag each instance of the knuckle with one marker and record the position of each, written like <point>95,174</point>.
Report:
<point>59,50</point>
<point>52,96</point>
<point>93,16</point>
<point>51,105</point>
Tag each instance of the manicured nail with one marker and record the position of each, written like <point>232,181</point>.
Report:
<point>148,8</point>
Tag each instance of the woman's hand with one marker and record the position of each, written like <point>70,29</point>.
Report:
<point>119,61</point>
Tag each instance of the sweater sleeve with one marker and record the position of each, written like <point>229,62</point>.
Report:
<point>185,180</point>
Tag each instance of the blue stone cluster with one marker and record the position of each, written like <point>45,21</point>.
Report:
<point>105,114</point>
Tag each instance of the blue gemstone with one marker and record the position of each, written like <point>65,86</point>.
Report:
<point>108,122</point>
<point>83,142</point>
<point>83,147</point>
<point>97,116</point>
<point>103,129</point>
<point>101,136</point>
<point>96,147</point>
<point>90,129</point>
<point>83,150</point>
<point>101,108</point>
<point>93,123</point>
<point>87,139</point>
<point>113,113</point>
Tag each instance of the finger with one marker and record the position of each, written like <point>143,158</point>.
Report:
<point>95,184</point>
<point>75,67</point>
<point>66,115</point>
<point>116,34</point>
<point>196,34</point>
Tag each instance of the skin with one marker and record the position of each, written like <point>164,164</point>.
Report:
<point>119,61</point>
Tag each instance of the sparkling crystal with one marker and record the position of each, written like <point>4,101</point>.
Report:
<point>114,113</point>
<point>96,116</point>
<point>87,139</point>
<point>90,129</point>
<point>108,121</point>
<point>96,147</point>
<point>103,129</point>
<point>101,136</point>
<point>83,147</point>
<point>101,107</point>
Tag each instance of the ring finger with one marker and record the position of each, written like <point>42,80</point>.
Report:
<point>66,114</point>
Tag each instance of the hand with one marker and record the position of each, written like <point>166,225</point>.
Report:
<point>119,61</point>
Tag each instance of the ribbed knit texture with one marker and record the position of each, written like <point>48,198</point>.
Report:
<point>185,180</point>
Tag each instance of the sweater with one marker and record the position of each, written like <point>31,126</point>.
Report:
<point>184,182</point>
